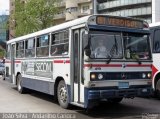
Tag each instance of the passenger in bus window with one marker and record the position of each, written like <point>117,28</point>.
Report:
<point>100,51</point>
<point>44,51</point>
<point>54,50</point>
<point>65,50</point>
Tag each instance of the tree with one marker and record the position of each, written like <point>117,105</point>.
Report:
<point>33,15</point>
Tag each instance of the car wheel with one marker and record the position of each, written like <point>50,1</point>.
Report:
<point>62,94</point>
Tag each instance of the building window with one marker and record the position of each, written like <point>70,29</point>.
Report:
<point>72,9</point>
<point>85,8</point>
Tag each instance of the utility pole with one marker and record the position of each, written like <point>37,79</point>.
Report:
<point>94,6</point>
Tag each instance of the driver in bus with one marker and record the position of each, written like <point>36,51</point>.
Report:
<point>100,51</point>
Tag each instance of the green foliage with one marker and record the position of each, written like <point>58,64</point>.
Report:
<point>2,53</point>
<point>33,15</point>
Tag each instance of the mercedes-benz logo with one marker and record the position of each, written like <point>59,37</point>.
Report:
<point>123,65</point>
<point>123,76</point>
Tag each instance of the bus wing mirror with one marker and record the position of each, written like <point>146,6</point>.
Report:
<point>85,40</point>
<point>87,52</point>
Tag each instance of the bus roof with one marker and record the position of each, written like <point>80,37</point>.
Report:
<point>154,24</point>
<point>51,29</point>
<point>114,21</point>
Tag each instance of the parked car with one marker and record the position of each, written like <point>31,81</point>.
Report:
<point>2,69</point>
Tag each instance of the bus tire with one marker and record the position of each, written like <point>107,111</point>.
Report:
<point>115,100</point>
<point>158,89</point>
<point>62,94</point>
<point>20,88</point>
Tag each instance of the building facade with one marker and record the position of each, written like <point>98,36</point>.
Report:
<point>3,28</point>
<point>148,10</point>
<point>3,34</point>
<point>72,9</point>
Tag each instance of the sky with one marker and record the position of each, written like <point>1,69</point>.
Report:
<point>4,7</point>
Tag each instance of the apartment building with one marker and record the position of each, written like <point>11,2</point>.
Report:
<point>148,10</point>
<point>71,9</point>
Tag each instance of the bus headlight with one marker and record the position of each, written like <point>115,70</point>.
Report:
<point>100,76</point>
<point>93,76</point>
<point>149,75</point>
<point>143,75</point>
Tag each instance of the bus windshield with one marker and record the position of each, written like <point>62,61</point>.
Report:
<point>136,46</point>
<point>108,45</point>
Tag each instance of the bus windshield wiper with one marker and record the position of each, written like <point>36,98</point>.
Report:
<point>112,51</point>
<point>110,58</point>
<point>137,59</point>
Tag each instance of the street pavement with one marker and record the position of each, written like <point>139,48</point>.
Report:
<point>35,102</point>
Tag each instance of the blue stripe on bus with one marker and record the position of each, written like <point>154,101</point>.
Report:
<point>38,85</point>
<point>42,86</point>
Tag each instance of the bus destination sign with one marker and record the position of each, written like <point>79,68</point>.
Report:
<point>120,22</point>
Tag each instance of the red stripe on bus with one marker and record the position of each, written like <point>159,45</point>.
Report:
<point>102,65</point>
<point>137,65</point>
<point>61,61</point>
<point>116,65</point>
<point>154,70</point>
<point>17,61</point>
<point>7,61</point>
<point>14,61</point>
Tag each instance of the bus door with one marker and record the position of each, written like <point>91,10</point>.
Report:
<point>13,63</point>
<point>77,69</point>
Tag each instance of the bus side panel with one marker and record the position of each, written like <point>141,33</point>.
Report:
<point>61,68</point>
<point>8,76</point>
<point>18,67</point>
<point>37,75</point>
<point>38,85</point>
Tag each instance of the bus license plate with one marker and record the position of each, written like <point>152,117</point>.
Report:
<point>123,85</point>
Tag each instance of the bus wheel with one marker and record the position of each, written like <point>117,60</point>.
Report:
<point>19,84</point>
<point>62,94</point>
<point>158,89</point>
<point>115,100</point>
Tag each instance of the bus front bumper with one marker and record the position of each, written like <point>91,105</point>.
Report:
<point>103,93</point>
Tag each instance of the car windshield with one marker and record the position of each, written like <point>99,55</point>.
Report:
<point>136,46</point>
<point>106,45</point>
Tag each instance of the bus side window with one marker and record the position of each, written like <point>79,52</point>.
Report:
<point>20,49</point>
<point>8,54</point>
<point>30,48</point>
<point>59,43</point>
<point>42,48</point>
<point>156,41</point>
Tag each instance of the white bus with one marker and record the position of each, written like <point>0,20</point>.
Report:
<point>84,61</point>
<point>155,36</point>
